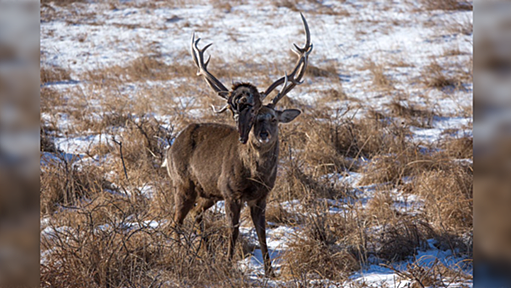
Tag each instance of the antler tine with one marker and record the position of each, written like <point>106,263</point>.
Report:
<point>221,110</point>
<point>273,103</point>
<point>295,78</point>
<point>198,59</point>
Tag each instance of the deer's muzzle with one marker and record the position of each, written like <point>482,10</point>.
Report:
<point>245,122</point>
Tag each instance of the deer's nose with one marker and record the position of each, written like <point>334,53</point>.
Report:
<point>264,134</point>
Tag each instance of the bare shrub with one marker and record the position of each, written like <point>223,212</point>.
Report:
<point>64,184</point>
<point>143,142</point>
<point>124,252</point>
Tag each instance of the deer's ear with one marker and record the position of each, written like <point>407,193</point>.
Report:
<point>288,115</point>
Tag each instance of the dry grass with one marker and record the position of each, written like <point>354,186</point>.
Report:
<point>328,248</point>
<point>408,162</point>
<point>413,115</point>
<point>428,272</point>
<point>46,143</point>
<point>401,240</point>
<point>277,215</point>
<point>62,2</point>
<point>449,5</point>
<point>124,251</point>
<point>54,74</point>
<point>141,69</point>
<point>327,71</point>
<point>464,27</point>
<point>448,194</point>
<point>290,4</point>
<point>433,76</point>
<point>66,185</point>
<point>458,148</point>
<point>381,81</point>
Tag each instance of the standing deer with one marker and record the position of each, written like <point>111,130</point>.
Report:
<point>211,162</point>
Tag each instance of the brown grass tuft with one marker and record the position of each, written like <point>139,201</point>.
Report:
<point>62,2</point>
<point>276,214</point>
<point>449,197</point>
<point>414,116</point>
<point>318,253</point>
<point>54,74</point>
<point>290,4</point>
<point>402,240</point>
<point>392,168</point>
<point>46,143</point>
<point>297,184</point>
<point>329,71</point>
<point>380,80</point>
<point>428,272</point>
<point>458,148</point>
<point>433,76</point>
<point>141,69</point>
<point>449,5</point>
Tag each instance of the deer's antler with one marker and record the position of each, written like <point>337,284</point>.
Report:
<point>198,58</point>
<point>295,78</point>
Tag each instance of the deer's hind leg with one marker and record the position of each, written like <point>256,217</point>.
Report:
<point>203,204</point>
<point>184,198</point>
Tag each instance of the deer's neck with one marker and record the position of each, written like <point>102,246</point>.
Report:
<point>261,160</point>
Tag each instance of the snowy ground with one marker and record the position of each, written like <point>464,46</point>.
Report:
<point>95,36</point>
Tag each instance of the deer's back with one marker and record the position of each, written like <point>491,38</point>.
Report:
<point>200,154</point>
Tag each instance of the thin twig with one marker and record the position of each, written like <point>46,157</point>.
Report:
<point>122,157</point>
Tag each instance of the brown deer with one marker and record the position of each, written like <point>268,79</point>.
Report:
<point>210,162</point>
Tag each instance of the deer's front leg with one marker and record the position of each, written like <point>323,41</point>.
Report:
<point>232,211</point>
<point>257,211</point>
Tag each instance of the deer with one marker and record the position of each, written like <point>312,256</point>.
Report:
<point>210,162</point>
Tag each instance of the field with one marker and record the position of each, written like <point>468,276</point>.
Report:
<point>374,185</point>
